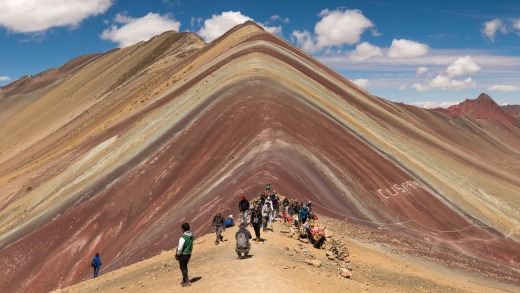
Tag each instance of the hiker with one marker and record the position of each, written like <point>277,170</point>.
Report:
<point>304,212</point>
<point>183,253</point>
<point>256,221</point>
<point>286,204</point>
<point>96,264</point>
<point>229,222</point>
<point>275,203</point>
<point>242,236</point>
<point>266,214</point>
<point>316,235</point>
<point>243,206</point>
<point>218,225</point>
<point>263,197</point>
<point>309,206</point>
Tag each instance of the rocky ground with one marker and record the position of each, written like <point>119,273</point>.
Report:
<point>377,263</point>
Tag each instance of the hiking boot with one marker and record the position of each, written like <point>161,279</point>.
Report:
<point>257,240</point>
<point>216,242</point>
<point>186,284</point>
<point>221,238</point>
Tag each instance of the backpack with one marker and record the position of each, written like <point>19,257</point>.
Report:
<point>242,241</point>
<point>303,232</point>
<point>268,208</point>
<point>93,263</point>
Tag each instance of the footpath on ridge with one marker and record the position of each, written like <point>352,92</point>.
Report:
<point>284,264</point>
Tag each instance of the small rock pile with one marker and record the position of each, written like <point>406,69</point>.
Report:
<point>336,251</point>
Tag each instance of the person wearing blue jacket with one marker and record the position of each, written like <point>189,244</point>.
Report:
<point>96,264</point>
<point>304,212</point>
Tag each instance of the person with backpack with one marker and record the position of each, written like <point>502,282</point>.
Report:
<point>243,207</point>
<point>96,264</point>
<point>183,253</point>
<point>256,221</point>
<point>218,225</point>
<point>242,236</point>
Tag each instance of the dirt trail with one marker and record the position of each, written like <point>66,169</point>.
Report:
<point>278,265</point>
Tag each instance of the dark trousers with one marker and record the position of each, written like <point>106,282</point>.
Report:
<point>183,264</point>
<point>257,231</point>
<point>96,271</point>
<point>218,231</point>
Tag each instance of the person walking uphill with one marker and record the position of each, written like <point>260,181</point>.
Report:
<point>183,253</point>
<point>96,264</point>
<point>218,225</point>
<point>243,206</point>
<point>256,221</point>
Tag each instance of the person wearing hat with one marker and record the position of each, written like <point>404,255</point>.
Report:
<point>242,236</point>
<point>229,222</point>
<point>243,206</point>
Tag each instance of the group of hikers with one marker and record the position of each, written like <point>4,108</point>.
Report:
<point>259,213</point>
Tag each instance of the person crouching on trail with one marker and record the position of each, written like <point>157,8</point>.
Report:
<point>96,264</point>
<point>242,236</point>
<point>183,253</point>
<point>218,225</point>
<point>243,206</point>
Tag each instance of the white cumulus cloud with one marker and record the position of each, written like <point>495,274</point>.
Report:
<point>4,78</point>
<point>462,66</point>
<point>279,18</point>
<point>364,51</point>
<point>445,83</point>
<point>432,105</point>
<point>504,88</point>
<point>362,82</point>
<point>217,25</point>
<point>516,25</point>
<point>339,27</point>
<point>421,70</point>
<point>29,16</point>
<point>406,49</point>
<point>491,27</point>
<point>305,41</point>
<point>134,30</point>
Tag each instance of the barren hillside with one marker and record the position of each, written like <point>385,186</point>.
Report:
<point>112,151</point>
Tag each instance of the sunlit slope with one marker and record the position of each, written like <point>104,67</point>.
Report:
<point>171,130</point>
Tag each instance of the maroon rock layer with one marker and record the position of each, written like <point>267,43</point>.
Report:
<point>114,155</point>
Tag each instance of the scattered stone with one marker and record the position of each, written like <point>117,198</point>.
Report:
<point>346,259</point>
<point>331,257</point>
<point>286,248</point>
<point>329,253</point>
<point>345,273</point>
<point>122,287</point>
<point>285,231</point>
<point>200,241</point>
<point>316,263</point>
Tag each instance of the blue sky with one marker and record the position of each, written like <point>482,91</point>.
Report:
<point>427,53</point>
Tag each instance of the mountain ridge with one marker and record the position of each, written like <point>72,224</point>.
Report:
<point>113,157</point>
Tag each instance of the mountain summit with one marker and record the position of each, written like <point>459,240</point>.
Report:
<point>112,152</point>
<point>484,107</point>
